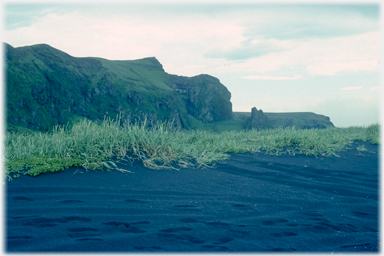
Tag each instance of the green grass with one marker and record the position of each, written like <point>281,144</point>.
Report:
<point>100,146</point>
<point>219,126</point>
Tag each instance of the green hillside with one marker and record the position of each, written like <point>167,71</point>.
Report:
<point>46,87</point>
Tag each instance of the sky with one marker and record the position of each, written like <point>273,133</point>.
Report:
<point>322,58</point>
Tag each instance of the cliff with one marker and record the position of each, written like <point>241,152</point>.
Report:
<point>299,120</point>
<point>258,120</point>
<point>206,98</point>
<point>47,87</point>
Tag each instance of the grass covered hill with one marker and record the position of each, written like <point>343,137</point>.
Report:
<point>46,87</point>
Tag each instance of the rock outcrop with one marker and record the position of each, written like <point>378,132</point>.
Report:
<point>205,97</point>
<point>258,120</point>
<point>47,87</point>
<point>300,120</point>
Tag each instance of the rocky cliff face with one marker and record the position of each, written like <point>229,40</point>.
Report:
<point>300,120</point>
<point>205,97</point>
<point>258,120</point>
<point>47,87</point>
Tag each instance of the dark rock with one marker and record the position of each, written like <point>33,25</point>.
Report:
<point>258,120</point>
<point>205,97</point>
<point>300,120</point>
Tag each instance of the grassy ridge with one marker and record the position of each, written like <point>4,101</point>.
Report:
<point>99,146</point>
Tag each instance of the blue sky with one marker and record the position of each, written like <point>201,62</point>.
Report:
<point>321,58</point>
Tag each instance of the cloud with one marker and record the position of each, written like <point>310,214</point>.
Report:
<point>374,88</point>
<point>250,48</point>
<point>353,88</point>
<point>128,37</point>
<point>272,77</point>
<point>19,15</point>
<point>358,53</point>
<point>333,68</point>
<point>207,38</point>
<point>312,21</point>
<point>315,57</point>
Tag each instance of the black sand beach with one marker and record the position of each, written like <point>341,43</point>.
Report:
<point>250,203</point>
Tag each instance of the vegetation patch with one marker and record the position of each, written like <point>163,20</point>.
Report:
<point>97,146</point>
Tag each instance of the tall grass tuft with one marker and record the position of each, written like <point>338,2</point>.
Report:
<point>100,146</point>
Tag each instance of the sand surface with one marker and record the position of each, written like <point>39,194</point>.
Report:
<point>250,203</point>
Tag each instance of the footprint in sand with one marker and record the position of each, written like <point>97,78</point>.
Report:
<point>364,215</point>
<point>292,224</point>
<point>241,206</point>
<point>170,236</point>
<point>127,227</point>
<point>71,202</point>
<point>313,214</point>
<point>147,247</point>
<point>319,219</point>
<point>187,220</point>
<point>354,246</point>
<point>77,218</point>
<point>191,208</point>
<point>217,224</point>
<point>22,198</point>
<point>140,223</point>
<point>181,237</point>
<point>214,247</point>
<point>283,234</point>
<point>283,250</point>
<point>51,222</point>
<point>83,233</point>
<point>116,223</point>
<point>341,227</point>
<point>193,239</point>
<point>273,222</point>
<point>19,237</point>
<point>44,222</point>
<point>132,229</point>
<point>224,240</point>
<point>90,239</point>
<point>240,233</point>
<point>126,224</point>
<point>135,201</point>
<point>24,217</point>
<point>172,230</point>
<point>81,229</point>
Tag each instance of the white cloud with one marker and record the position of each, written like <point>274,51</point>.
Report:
<point>327,56</point>
<point>375,88</point>
<point>186,40</point>
<point>176,42</point>
<point>333,68</point>
<point>344,54</point>
<point>309,21</point>
<point>252,77</point>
